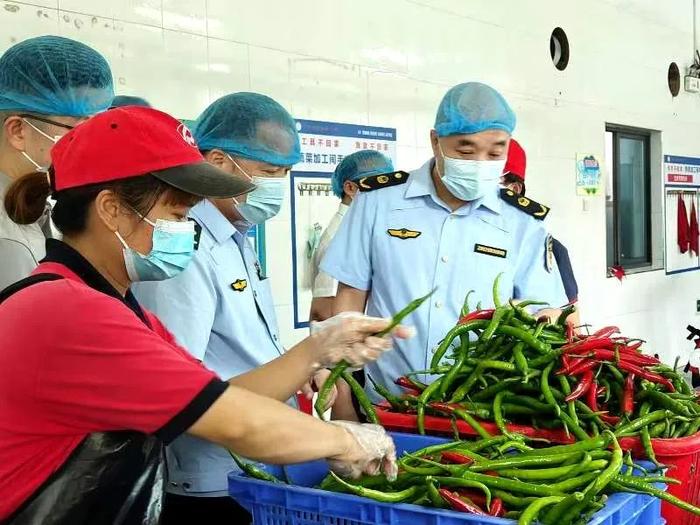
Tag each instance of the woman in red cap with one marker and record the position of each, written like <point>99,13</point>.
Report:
<point>92,385</point>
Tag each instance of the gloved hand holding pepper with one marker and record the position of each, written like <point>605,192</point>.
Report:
<point>345,337</point>
<point>371,451</point>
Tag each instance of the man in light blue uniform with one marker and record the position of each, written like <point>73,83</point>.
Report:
<point>447,225</point>
<point>220,308</point>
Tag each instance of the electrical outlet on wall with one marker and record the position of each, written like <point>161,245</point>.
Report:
<point>697,306</point>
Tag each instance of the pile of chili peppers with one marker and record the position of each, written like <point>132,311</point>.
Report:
<point>503,365</point>
<point>504,476</point>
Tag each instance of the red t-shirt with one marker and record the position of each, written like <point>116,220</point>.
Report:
<point>74,361</point>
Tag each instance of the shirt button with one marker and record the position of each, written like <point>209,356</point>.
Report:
<point>275,337</point>
<point>438,304</point>
<point>444,258</point>
<point>173,484</point>
<point>255,294</point>
<point>186,486</point>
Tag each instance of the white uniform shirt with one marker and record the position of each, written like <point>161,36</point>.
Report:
<point>21,246</point>
<point>323,284</point>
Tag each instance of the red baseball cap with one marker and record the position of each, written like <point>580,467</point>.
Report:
<point>131,141</point>
<point>516,161</point>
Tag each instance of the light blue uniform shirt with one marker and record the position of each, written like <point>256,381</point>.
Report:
<point>443,255</point>
<point>221,310</point>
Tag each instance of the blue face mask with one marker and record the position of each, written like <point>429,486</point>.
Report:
<point>469,180</point>
<point>265,201</point>
<point>173,249</point>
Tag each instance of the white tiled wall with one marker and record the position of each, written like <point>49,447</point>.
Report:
<point>388,62</point>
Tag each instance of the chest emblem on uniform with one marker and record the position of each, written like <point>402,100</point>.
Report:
<point>549,253</point>
<point>490,250</point>
<point>403,233</point>
<point>239,285</point>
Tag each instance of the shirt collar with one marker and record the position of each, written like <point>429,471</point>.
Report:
<point>420,184</point>
<point>5,182</point>
<point>209,217</point>
<point>61,253</point>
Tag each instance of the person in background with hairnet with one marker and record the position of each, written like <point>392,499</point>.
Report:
<point>344,183</point>
<point>514,179</point>
<point>129,100</point>
<point>220,308</point>
<point>48,85</point>
<point>448,226</point>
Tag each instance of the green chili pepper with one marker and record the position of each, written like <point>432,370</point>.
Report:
<point>495,482</point>
<point>362,397</point>
<point>498,414</point>
<point>252,470</point>
<point>602,481</point>
<point>457,331</point>
<point>624,484</point>
<point>519,358</point>
<point>496,291</point>
<point>563,472</point>
<point>532,511</point>
<point>565,313</point>
<point>425,396</point>
<point>378,495</point>
<point>465,307</point>
<point>635,425</point>
<point>338,370</point>
<point>464,415</point>
<point>456,367</point>
<point>511,500</point>
<point>553,516</point>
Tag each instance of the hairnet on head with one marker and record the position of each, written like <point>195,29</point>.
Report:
<point>128,100</point>
<point>471,108</point>
<point>357,165</point>
<point>249,125</point>
<point>52,75</point>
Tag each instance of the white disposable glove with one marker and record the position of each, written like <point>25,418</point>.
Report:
<point>348,337</point>
<point>317,380</point>
<point>373,452</point>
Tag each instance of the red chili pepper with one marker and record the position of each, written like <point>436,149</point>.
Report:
<point>570,333</point>
<point>456,458</point>
<point>582,387</point>
<point>443,407</point>
<point>590,343</point>
<point>607,331</point>
<point>579,367</point>
<point>406,383</point>
<point>477,314</point>
<point>628,395</point>
<point>497,507</point>
<point>592,396</point>
<point>477,497</point>
<point>634,345</point>
<point>610,420</point>
<point>645,374</point>
<point>458,503</point>
<point>625,355</point>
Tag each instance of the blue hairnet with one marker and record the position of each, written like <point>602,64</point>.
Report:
<point>357,165</point>
<point>128,100</point>
<point>249,125</point>
<point>471,108</point>
<point>52,75</point>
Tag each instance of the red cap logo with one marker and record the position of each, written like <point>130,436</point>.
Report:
<point>186,135</point>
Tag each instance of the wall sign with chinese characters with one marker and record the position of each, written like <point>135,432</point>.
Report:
<point>324,145</point>
<point>681,171</point>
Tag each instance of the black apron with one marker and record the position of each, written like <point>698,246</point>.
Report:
<point>111,478</point>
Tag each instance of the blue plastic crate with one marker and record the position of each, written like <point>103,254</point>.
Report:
<point>300,504</point>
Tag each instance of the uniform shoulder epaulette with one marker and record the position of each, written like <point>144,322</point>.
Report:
<point>524,204</point>
<point>382,181</point>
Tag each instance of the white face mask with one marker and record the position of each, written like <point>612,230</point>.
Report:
<point>265,201</point>
<point>54,139</point>
<point>469,180</point>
